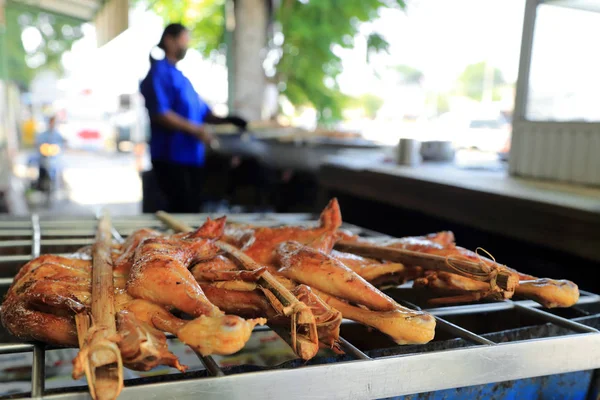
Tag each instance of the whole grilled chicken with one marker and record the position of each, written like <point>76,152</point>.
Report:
<point>151,278</point>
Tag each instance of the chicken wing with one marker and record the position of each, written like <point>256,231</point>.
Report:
<point>224,334</point>
<point>404,326</point>
<point>160,274</point>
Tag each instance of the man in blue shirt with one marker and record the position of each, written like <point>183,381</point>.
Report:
<point>177,115</point>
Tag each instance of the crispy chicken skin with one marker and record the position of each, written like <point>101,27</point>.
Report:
<point>160,274</point>
<point>321,271</point>
<point>376,271</point>
<point>151,277</point>
<point>260,243</point>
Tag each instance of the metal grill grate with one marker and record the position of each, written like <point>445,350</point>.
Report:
<point>461,357</point>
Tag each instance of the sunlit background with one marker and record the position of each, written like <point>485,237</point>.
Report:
<point>449,73</point>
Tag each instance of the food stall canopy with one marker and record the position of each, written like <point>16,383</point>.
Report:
<point>111,17</point>
<point>82,10</point>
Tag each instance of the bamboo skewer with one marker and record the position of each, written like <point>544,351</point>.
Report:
<point>303,334</point>
<point>502,277</point>
<point>99,357</point>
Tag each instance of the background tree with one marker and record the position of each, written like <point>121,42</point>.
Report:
<point>368,102</point>
<point>300,55</point>
<point>51,35</point>
<point>472,81</point>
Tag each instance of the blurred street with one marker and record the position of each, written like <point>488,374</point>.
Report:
<point>91,181</point>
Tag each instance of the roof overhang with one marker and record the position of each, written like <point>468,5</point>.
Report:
<point>80,10</point>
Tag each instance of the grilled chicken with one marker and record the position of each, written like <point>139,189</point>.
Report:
<point>377,272</point>
<point>260,243</point>
<point>324,272</point>
<point>548,292</point>
<point>151,277</point>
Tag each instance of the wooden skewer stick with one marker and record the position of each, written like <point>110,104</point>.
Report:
<point>99,356</point>
<point>303,339</point>
<point>505,279</point>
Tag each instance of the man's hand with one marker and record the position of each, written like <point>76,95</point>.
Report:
<point>174,121</point>
<point>201,134</point>
<point>237,121</point>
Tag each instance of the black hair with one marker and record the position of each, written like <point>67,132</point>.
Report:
<point>171,30</point>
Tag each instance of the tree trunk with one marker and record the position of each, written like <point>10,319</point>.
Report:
<point>249,45</point>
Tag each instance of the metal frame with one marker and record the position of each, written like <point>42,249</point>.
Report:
<point>364,377</point>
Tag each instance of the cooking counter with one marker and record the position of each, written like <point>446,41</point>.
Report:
<point>553,215</point>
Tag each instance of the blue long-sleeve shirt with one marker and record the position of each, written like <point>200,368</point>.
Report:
<point>166,88</point>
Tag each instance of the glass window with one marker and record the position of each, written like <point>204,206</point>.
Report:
<point>564,82</point>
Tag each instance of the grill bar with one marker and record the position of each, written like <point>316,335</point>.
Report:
<point>10,348</point>
<point>387,377</point>
<point>38,371</point>
<point>462,332</point>
<point>38,367</point>
<point>36,236</point>
<point>349,348</point>
<point>6,281</point>
<point>210,364</point>
<point>47,242</point>
<point>420,371</point>
<point>555,319</point>
<point>453,328</point>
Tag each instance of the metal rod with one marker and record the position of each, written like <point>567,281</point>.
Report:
<point>36,236</point>
<point>589,294</point>
<point>47,242</point>
<point>555,319</point>
<point>15,243</point>
<point>116,235</point>
<point>453,328</point>
<point>349,348</point>
<point>527,36</point>
<point>24,258</point>
<point>210,364</point>
<point>38,371</point>
<point>6,281</point>
<point>462,332</point>
<point>10,348</point>
<point>16,232</point>
<point>469,309</point>
<point>15,258</point>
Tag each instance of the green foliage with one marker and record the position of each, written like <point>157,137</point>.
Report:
<point>306,66</point>
<point>312,29</point>
<point>370,103</point>
<point>443,103</point>
<point>471,81</point>
<point>408,74</point>
<point>58,35</point>
<point>205,19</point>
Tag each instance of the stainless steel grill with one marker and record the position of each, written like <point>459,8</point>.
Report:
<point>475,344</point>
